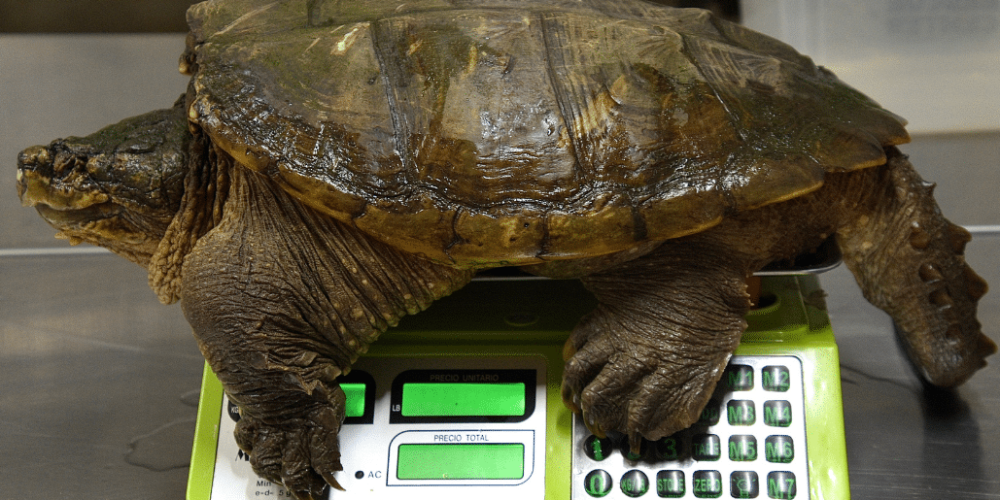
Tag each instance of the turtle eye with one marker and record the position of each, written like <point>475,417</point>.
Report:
<point>137,146</point>
<point>97,164</point>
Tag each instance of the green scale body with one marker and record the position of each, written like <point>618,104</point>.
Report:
<point>463,401</point>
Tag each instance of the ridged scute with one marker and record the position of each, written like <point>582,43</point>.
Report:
<point>515,132</point>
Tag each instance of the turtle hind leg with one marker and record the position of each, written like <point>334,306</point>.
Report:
<point>908,260</point>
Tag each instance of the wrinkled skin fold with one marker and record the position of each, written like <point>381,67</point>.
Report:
<point>282,301</point>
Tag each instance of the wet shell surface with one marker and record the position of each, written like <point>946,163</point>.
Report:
<point>517,132</point>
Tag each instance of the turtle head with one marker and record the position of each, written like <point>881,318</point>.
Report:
<point>118,188</point>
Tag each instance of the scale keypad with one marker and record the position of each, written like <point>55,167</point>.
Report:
<point>750,442</point>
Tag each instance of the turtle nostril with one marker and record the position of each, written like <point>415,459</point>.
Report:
<point>34,175</point>
<point>34,156</point>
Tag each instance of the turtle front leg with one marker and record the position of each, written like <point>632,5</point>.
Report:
<point>282,301</point>
<point>646,361</point>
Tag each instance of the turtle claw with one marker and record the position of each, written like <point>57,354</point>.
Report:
<point>571,398</point>
<point>644,364</point>
<point>592,426</point>
<point>635,443</point>
<point>332,481</point>
<point>302,454</point>
<point>629,397</point>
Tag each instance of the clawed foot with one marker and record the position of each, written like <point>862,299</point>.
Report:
<point>642,383</point>
<point>301,453</point>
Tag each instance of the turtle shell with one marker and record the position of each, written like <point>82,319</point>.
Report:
<point>509,132</point>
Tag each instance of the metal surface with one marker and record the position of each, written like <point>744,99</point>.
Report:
<point>100,380</point>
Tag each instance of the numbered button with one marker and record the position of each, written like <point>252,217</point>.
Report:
<point>598,483</point>
<point>706,447</point>
<point>777,413</point>
<point>738,378</point>
<point>779,449</point>
<point>710,415</point>
<point>670,484</point>
<point>597,448</point>
<point>627,450</point>
<point>233,411</point>
<point>670,448</point>
<point>741,412</point>
<point>707,484</point>
<point>775,378</point>
<point>781,485</point>
<point>634,483</point>
<point>744,484</point>
<point>742,448</point>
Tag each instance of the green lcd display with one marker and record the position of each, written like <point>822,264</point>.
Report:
<point>355,393</point>
<point>463,400</point>
<point>460,461</point>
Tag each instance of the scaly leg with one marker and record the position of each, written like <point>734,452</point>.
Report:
<point>647,359</point>
<point>282,301</point>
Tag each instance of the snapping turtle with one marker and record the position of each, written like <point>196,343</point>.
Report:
<point>337,165</point>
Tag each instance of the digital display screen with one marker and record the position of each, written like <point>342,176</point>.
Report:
<point>460,461</point>
<point>355,393</point>
<point>461,399</point>
<point>463,395</point>
<point>359,389</point>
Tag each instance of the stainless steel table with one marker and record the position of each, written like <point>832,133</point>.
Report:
<point>100,382</point>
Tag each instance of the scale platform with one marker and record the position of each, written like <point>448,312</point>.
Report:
<point>462,401</point>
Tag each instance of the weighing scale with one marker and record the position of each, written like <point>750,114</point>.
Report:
<point>463,402</point>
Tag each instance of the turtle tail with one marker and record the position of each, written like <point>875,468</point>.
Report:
<point>909,261</point>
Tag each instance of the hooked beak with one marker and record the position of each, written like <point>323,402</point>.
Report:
<point>63,194</point>
<point>37,182</point>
